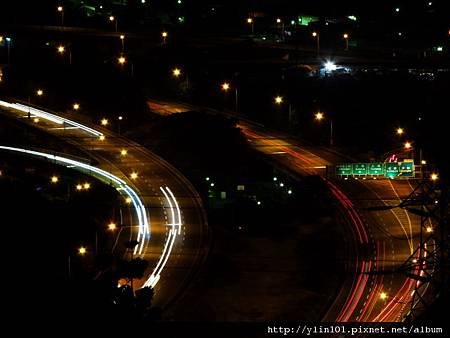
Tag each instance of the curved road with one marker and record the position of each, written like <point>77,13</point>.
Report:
<point>383,239</point>
<point>168,217</point>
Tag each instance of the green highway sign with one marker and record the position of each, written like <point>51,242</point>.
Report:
<point>406,168</point>
<point>344,169</point>
<point>391,169</point>
<point>359,168</point>
<point>376,169</point>
<point>387,169</point>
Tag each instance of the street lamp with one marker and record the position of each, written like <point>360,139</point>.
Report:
<point>123,152</point>
<point>61,50</point>
<point>226,87</point>
<point>102,137</point>
<point>346,37</point>
<point>176,72</point>
<point>434,177</point>
<point>408,145</point>
<point>121,60</point>
<point>122,41</point>
<point>319,116</point>
<point>164,36</point>
<point>82,250</point>
<point>317,36</point>
<point>134,175</point>
<point>112,226</point>
<point>76,106</point>
<point>383,295</point>
<point>251,22</point>
<point>112,18</point>
<point>54,179</point>
<point>79,187</point>
<point>60,9</point>
<point>86,186</point>
<point>278,100</point>
<point>400,131</point>
<point>104,122</point>
<point>279,21</point>
<point>39,92</point>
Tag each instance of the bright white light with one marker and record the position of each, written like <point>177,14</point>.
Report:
<point>330,66</point>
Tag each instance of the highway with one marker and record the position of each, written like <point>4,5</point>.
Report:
<point>383,240</point>
<point>163,212</point>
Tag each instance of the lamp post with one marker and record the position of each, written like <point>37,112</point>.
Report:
<point>226,87</point>
<point>319,117</point>
<point>164,36</point>
<point>61,50</point>
<point>60,9</point>
<point>281,23</point>
<point>317,36</point>
<point>251,22</point>
<point>113,19</point>
<point>346,37</point>
<point>122,41</point>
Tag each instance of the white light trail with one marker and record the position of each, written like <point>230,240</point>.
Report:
<point>119,184</point>
<point>155,276</point>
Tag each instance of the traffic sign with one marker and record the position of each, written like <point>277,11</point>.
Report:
<point>376,169</point>
<point>391,169</point>
<point>359,168</point>
<point>344,169</point>
<point>406,168</point>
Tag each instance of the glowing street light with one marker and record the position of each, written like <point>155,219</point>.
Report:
<point>278,20</point>
<point>423,162</point>
<point>76,106</point>
<point>408,145</point>
<point>164,35</point>
<point>61,50</point>
<point>36,120</point>
<point>112,226</point>
<point>134,175</point>
<point>102,137</point>
<point>278,99</point>
<point>104,122</point>
<point>128,200</point>
<point>383,295</point>
<point>60,9</point>
<point>346,37</point>
<point>226,87</point>
<point>79,187</point>
<point>176,72</point>
<point>434,177</point>
<point>82,250</point>
<point>251,22</point>
<point>86,186</point>
<point>112,18</point>
<point>122,41</point>
<point>121,60</point>
<point>400,131</point>
<point>429,229</point>
<point>123,152</point>
<point>319,116</point>
<point>54,179</point>
<point>317,36</point>
<point>39,92</point>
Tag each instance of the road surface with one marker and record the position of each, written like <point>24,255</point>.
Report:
<point>383,239</point>
<point>165,212</point>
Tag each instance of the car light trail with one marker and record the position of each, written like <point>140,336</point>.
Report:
<point>50,117</point>
<point>176,229</point>
<point>119,184</point>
